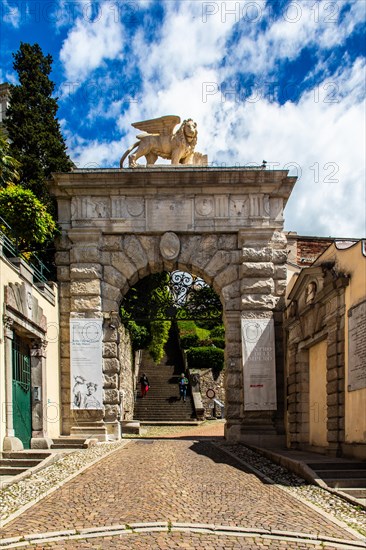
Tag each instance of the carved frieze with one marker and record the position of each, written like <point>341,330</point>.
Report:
<point>239,207</point>
<point>90,208</point>
<point>204,207</point>
<point>127,207</point>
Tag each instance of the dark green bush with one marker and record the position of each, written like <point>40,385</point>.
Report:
<point>205,358</point>
<point>189,341</point>
<point>218,342</point>
<point>218,332</point>
<point>140,336</point>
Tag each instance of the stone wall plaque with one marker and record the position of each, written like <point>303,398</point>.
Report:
<point>86,363</point>
<point>169,214</point>
<point>259,364</point>
<point>357,347</point>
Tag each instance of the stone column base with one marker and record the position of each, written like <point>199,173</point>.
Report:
<point>113,431</point>
<point>90,430</point>
<point>11,444</point>
<point>41,443</point>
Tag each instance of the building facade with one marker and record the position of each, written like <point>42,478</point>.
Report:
<point>29,356</point>
<point>325,327</point>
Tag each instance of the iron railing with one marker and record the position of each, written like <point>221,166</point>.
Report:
<point>9,243</point>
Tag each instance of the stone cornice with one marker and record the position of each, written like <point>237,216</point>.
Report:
<point>275,183</point>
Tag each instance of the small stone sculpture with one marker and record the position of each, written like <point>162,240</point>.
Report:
<point>159,140</point>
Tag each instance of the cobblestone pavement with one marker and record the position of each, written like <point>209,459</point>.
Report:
<point>183,481</point>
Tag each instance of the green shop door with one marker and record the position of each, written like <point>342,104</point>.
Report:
<point>22,412</point>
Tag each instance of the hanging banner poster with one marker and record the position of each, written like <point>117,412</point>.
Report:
<point>259,364</point>
<point>86,363</point>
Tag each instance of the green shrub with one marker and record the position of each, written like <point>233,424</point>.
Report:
<point>218,332</point>
<point>140,335</point>
<point>159,331</point>
<point>205,358</point>
<point>218,342</point>
<point>189,341</point>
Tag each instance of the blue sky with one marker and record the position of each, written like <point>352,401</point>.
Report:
<point>278,80</point>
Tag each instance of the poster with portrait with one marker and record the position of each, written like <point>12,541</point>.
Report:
<point>259,366</point>
<point>86,363</point>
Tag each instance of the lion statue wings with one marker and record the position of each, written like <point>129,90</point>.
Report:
<point>160,140</point>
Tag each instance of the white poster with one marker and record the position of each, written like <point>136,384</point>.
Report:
<point>86,363</point>
<point>259,364</point>
<point>357,347</point>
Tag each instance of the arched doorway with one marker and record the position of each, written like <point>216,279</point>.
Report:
<point>175,325</point>
<point>224,225</point>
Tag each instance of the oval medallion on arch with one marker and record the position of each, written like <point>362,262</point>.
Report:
<point>170,245</point>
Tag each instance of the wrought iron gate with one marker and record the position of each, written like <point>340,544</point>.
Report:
<point>171,296</point>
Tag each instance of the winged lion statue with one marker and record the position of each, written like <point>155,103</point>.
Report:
<point>159,140</point>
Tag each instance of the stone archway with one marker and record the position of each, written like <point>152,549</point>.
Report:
<point>225,225</point>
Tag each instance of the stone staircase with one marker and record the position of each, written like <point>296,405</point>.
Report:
<point>15,463</point>
<point>67,442</point>
<point>161,404</point>
<point>349,477</point>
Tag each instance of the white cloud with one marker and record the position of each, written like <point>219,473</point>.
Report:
<point>90,43</point>
<point>323,133</point>
<point>11,13</point>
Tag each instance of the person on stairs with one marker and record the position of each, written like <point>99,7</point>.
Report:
<point>144,382</point>
<point>183,383</point>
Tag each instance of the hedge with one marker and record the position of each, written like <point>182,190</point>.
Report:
<point>218,332</point>
<point>205,358</point>
<point>189,341</point>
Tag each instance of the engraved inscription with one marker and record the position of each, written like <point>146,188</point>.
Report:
<point>169,214</point>
<point>357,348</point>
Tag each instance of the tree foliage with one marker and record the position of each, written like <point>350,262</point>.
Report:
<point>28,218</point>
<point>159,331</point>
<point>148,299</point>
<point>203,302</point>
<point>143,303</point>
<point>205,358</point>
<point>31,122</point>
<point>9,166</point>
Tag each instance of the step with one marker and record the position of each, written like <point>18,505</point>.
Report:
<point>89,431</point>
<point>6,471</point>
<point>355,492</point>
<point>14,463</point>
<point>318,466</point>
<point>170,423</point>
<point>25,455</point>
<point>340,483</point>
<point>68,446</point>
<point>325,474</point>
<point>68,443</point>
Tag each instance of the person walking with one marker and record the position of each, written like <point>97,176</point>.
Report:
<point>144,383</point>
<point>183,383</point>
